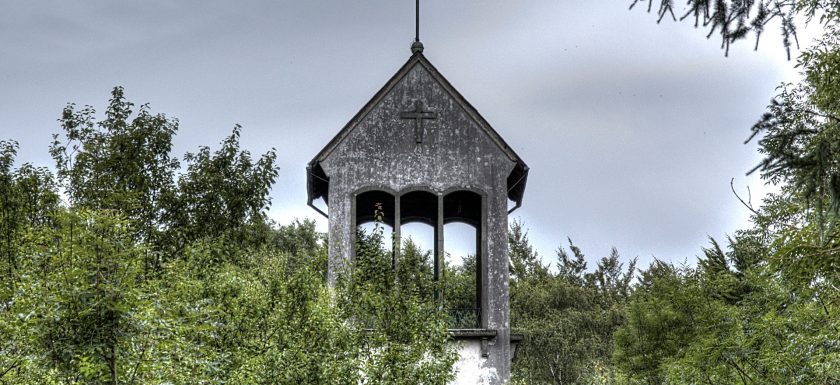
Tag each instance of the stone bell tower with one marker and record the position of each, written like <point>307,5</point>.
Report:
<point>423,151</point>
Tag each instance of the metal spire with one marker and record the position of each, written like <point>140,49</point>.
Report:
<point>417,21</point>
<point>417,46</point>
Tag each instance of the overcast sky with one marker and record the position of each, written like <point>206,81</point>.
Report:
<point>632,130</point>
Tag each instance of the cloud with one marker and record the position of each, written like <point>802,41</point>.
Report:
<point>632,129</point>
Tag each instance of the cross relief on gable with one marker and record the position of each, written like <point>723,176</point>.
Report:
<point>418,114</point>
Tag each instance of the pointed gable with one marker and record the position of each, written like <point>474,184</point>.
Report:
<point>416,118</point>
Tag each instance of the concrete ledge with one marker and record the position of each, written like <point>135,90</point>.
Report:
<point>472,334</point>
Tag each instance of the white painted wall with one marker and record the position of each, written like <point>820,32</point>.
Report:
<point>470,370</point>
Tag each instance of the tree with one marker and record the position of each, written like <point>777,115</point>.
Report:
<point>568,317</point>
<point>799,138</point>
<point>119,163</point>
<point>224,193</point>
<point>28,200</point>
<point>124,163</point>
<point>573,270</point>
<point>524,260</point>
<point>297,238</point>
<point>660,321</point>
<point>459,293</point>
<point>611,280</point>
<point>28,197</point>
<point>405,338</point>
<point>765,307</point>
<point>150,276</point>
<point>85,312</point>
<point>74,314</point>
<point>734,20</point>
<point>727,321</point>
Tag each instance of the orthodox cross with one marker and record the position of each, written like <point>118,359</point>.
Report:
<point>418,115</point>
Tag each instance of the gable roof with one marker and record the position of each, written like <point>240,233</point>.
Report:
<point>318,182</point>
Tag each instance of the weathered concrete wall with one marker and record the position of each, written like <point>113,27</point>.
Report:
<point>471,368</point>
<point>381,152</point>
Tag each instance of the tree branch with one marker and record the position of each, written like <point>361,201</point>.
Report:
<point>9,369</point>
<point>753,210</point>
<point>747,205</point>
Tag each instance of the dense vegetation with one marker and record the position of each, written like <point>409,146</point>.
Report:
<point>153,274</point>
<point>122,267</point>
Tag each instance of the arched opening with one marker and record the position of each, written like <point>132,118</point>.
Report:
<point>374,215</point>
<point>427,227</point>
<point>418,252</point>
<point>419,206</point>
<point>375,206</point>
<point>463,246</point>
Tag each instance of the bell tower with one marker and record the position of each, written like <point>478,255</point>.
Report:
<point>421,151</point>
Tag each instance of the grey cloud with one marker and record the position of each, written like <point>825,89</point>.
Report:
<point>632,129</point>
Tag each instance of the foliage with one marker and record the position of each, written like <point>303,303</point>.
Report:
<point>124,162</point>
<point>392,296</point>
<point>151,275</point>
<point>74,311</point>
<point>720,323</point>
<point>224,193</point>
<point>764,309</point>
<point>524,260</point>
<point>84,312</point>
<point>734,20</point>
<point>460,280</point>
<point>800,138</point>
<point>659,322</point>
<point>568,318</point>
<point>27,198</point>
<point>298,238</point>
<point>118,163</point>
<point>255,318</point>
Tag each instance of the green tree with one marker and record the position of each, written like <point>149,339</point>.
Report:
<point>524,260</point>
<point>122,162</point>
<point>28,198</point>
<point>765,308</point>
<point>735,20</point>
<point>799,138</point>
<point>151,276</point>
<point>405,338</point>
<point>611,280</point>
<point>727,321</point>
<point>224,193</point>
<point>567,317</point>
<point>572,270</point>
<point>77,300</point>
<point>253,318</point>
<point>460,292</point>
<point>297,238</point>
<point>660,318</point>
